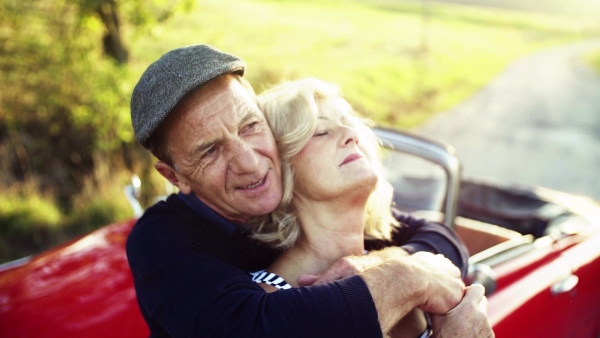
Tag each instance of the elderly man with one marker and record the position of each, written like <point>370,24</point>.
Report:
<point>190,255</point>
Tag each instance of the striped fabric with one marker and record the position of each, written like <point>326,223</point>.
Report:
<point>270,278</point>
<point>428,332</point>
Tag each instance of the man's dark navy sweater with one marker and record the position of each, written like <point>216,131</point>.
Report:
<point>190,268</point>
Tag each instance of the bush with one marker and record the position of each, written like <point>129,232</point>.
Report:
<point>101,203</point>
<point>32,221</point>
<point>29,222</point>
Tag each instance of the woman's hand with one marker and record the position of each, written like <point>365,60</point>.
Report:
<point>352,265</point>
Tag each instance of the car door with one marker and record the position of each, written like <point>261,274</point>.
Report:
<point>560,298</point>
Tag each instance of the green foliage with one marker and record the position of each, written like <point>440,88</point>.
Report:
<point>104,208</point>
<point>99,204</point>
<point>31,220</point>
<point>22,213</point>
<point>60,93</point>
<point>66,103</point>
<point>61,84</point>
<point>28,220</point>
<point>144,14</point>
<point>64,111</point>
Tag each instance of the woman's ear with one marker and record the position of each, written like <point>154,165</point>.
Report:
<point>172,176</point>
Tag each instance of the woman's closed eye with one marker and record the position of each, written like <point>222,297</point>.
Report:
<point>321,133</point>
<point>251,125</point>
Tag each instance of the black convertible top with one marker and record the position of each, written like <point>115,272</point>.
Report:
<point>513,207</point>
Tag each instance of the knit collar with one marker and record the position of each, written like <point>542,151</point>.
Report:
<point>201,208</point>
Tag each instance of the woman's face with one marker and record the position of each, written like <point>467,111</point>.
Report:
<point>332,165</point>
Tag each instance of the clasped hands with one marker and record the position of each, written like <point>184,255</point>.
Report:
<point>455,310</point>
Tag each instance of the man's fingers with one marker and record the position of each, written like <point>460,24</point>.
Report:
<point>353,265</point>
<point>477,294</point>
<point>468,319</point>
<point>474,293</point>
<point>307,280</point>
<point>342,268</point>
<point>483,305</point>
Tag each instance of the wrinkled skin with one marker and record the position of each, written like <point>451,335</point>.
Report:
<point>224,152</point>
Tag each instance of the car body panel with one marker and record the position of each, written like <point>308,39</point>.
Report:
<point>80,289</point>
<point>529,307</point>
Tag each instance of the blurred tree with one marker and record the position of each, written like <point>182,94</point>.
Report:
<point>139,13</point>
<point>64,102</point>
<point>112,41</point>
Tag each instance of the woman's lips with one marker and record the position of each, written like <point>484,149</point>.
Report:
<point>350,158</point>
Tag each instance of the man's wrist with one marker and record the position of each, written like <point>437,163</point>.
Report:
<point>394,288</point>
<point>390,253</point>
<point>397,263</point>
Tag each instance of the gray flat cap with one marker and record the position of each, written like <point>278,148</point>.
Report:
<point>170,78</point>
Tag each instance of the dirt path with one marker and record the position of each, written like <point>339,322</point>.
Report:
<point>537,123</point>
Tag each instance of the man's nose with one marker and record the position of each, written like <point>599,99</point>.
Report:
<point>244,159</point>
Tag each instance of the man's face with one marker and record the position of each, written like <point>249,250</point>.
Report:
<point>224,152</point>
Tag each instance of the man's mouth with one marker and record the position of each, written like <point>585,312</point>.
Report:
<point>254,185</point>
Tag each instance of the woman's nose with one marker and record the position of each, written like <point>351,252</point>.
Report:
<point>350,135</point>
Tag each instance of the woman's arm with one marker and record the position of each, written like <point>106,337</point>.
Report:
<point>415,234</point>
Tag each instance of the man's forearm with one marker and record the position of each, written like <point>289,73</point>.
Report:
<point>393,292</point>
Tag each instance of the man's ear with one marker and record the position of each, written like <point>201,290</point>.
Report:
<point>170,174</point>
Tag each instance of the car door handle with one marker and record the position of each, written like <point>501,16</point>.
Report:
<point>564,285</point>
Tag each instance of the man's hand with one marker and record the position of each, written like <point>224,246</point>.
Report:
<point>441,282</point>
<point>399,282</point>
<point>436,282</point>
<point>424,280</point>
<point>468,319</point>
<point>352,265</point>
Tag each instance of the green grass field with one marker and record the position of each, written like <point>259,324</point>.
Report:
<point>593,60</point>
<point>397,61</point>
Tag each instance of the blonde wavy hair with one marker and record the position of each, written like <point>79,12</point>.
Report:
<point>291,109</point>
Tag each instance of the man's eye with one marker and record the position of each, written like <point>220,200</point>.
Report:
<point>209,151</point>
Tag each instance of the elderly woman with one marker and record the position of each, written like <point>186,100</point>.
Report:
<point>335,198</point>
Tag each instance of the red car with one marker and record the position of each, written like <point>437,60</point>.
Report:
<point>536,251</point>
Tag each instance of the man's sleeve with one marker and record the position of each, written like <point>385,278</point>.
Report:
<point>420,235</point>
<point>185,292</point>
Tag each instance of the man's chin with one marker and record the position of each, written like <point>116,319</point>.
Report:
<point>264,207</point>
